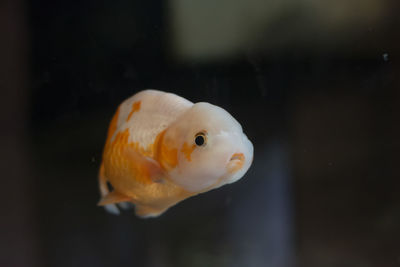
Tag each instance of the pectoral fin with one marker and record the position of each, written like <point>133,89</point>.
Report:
<point>150,167</point>
<point>112,208</point>
<point>112,198</point>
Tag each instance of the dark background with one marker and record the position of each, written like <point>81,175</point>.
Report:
<point>315,85</point>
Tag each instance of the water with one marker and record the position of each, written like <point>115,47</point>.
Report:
<point>316,94</point>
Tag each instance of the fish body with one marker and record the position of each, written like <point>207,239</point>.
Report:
<point>162,149</point>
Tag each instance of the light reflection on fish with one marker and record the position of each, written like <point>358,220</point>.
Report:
<point>162,149</point>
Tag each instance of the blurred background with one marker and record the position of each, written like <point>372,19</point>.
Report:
<point>315,85</point>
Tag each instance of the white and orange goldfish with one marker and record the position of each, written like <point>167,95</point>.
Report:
<point>162,149</point>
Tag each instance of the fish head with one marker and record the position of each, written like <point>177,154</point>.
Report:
<point>212,149</point>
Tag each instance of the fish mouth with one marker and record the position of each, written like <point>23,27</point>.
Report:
<point>236,162</point>
<point>237,157</point>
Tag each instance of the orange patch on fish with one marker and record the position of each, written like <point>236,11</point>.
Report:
<point>188,150</point>
<point>135,107</point>
<point>119,152</point>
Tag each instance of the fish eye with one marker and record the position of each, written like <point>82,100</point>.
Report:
<point>200,139</point>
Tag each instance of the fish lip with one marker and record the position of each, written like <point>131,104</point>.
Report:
<point>236,162</point>
<point>237,157</point>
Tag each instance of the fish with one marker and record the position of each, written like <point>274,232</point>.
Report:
<point>162,148</point>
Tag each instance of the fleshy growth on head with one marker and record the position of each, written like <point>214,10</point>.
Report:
<point>211,148</point>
